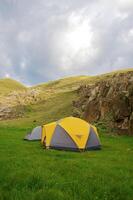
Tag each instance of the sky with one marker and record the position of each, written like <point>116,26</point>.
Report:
<point>42,40</point>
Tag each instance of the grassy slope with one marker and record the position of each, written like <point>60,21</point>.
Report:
<point>67,83</point>
<point>27,171</point>
<point>8,85</point>
<point>53,108</point>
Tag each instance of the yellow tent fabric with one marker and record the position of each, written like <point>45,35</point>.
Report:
<point>70,133</point>
<point>77,129</point>
<point>47,131</point>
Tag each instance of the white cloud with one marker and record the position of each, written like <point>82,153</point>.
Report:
<point>23,64</point>
<point>24,37</point>
<point>43,40</point>
<point>131,32</point>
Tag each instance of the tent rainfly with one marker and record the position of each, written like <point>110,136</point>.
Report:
<point>70,133</point>
<point>35,134</point>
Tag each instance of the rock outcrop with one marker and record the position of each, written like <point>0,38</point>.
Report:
<point>109,99</point>
<point>15,103</point>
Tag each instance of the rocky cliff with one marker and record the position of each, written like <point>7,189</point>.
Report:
<point>109,99</point>
<point>14,104</point>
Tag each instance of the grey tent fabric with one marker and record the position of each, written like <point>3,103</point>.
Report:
<point>61,139</point>
<point>93,141</point>
<point>35,134</point>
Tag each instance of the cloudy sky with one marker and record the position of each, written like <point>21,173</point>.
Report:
<point>42,40</point>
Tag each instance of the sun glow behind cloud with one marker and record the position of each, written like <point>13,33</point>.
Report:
<point>7,75</point>
<point>75,42</point>
<point>46,40</point>
<point>79,35</point>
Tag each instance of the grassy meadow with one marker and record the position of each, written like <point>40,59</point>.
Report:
<point>28,171</point>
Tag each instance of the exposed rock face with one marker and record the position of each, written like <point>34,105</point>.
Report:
<point>11,112</point>
<point>109,99</point>
<point>14,104</point>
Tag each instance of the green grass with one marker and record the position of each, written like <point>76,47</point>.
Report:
<point>27,171</point>
<point>67,83</point>
<point>8,85</point>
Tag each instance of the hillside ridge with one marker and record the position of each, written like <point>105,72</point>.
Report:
<point>8,85</point>
<point>68,96</point>
<point>6,81</point>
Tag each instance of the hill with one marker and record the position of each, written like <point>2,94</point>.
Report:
<point>7,85</point>
<point>38,102</point>
<point>85,96</point>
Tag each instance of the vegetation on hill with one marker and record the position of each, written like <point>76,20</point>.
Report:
<point>39,101</point>
<point>70,83</point>
<point>8,85</point>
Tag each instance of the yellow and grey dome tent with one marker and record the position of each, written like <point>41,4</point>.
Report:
<point>70,133</point>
